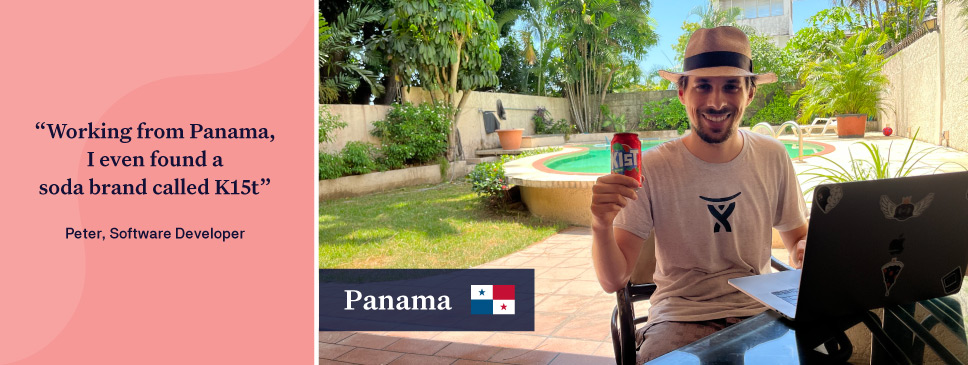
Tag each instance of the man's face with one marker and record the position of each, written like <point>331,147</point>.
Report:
<point>715,106</point>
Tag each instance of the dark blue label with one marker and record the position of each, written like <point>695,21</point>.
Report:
<point>426,300</point>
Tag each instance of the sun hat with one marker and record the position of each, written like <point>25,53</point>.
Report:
<point>720,51</point>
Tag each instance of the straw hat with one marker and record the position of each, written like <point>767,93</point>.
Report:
<point>720,51</point>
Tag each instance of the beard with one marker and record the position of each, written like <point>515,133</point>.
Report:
<point>715,135</point>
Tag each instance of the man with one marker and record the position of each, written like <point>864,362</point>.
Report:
<point>711,197</point>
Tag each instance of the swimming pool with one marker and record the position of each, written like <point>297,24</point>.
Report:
<point>595,159</point>
<point>552,193</point>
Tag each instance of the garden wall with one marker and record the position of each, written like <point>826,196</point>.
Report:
<point>519,110</point>
<point>359,122</point>
<point>630,104</point>
<point>929,84</point>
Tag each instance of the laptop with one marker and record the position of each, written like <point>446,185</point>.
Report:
<point>871,244</point>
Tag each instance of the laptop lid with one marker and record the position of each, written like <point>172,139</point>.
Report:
<point>882,242</point>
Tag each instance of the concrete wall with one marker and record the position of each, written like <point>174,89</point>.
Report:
<point>929,84</point>
<point>630,104</point>
<point>519,108</point>
<point>955,91</point>
<point>912,97</point>
<point>359,122</point>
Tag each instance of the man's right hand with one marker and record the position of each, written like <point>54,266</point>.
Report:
<point>609,196</point>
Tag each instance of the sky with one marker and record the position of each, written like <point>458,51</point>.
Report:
<point>669,15</point>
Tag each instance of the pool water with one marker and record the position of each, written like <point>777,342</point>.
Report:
<point>596,158</point>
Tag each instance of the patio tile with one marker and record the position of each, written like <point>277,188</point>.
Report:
<point>468,351</point>
<point>417,346</point>
<point>577,263</point>
<point>514,341</point>
<point>561,273</point>
<point>519,356</point>
<point>583,347</point>
<point>588,275</point>
<point>332,351</point>
<point>474,337</point>
<point>333,336</point>
<point>426,335</point>
<point>369,356</point>
<point>580,287</point>
<point>606,350</point>
<point>600,305</point>
<point>592,328</point>
<point>332,362</point>
<point>546,322</point>
<point>412,359</point>
<point>574,359</point>
<point>368,341</point>
<point>548,286</point>
<point>562,303</point>
<point>543,261</point>
<point>473,362</point>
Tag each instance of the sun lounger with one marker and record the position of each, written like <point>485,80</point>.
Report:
<point>822,124</point>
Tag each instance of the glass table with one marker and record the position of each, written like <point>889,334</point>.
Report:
<point>927,332</point>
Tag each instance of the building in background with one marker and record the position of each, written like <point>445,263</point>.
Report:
<point>772,18</point>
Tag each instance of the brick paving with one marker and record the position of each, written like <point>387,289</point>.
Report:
<point>571,319</point>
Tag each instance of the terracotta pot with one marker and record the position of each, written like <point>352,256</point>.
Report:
<point>510,138</point>
<point>851,125</point>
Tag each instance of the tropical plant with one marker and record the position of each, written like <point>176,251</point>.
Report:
<point>359,157</point>
<point>777,110</point>
<point>446,46</point>
<point>331,166</point>
<point>538,31</point>
<point>342,56</point>
<point>827,27</point>
<point>596,36</point>
<point>879,166</point>
<point>618,122</point>
<point>515,70</point>
<point>664,114</point>
<point>488,181</point>
<point>709,17</point>
<point>328,123</point>
<point>848,82</point>
<point>413,134</point>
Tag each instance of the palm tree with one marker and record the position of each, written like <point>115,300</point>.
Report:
<point>342,54</point>
<point>537,24</point>
<point>850,81</point>
<point>596,36</point>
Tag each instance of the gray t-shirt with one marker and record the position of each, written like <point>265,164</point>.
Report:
<point>712,223</point>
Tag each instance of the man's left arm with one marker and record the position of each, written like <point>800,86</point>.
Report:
<point>795,241</point>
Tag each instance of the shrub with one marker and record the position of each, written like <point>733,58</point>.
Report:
<point>777,111</point>
<point>543,124</point>
<point>617,121</point>
<point>359,158</point>
<point>414,134</point>
<point>328,123</point>
<point>488,180</point>
<point>664,114</point>
<point>331,166</point>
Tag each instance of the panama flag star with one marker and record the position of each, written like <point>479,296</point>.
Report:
<point>492,299</point>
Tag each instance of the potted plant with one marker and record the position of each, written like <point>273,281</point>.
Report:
<point>847,85</point>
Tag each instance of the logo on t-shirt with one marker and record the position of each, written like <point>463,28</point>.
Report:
<point>721,211</point>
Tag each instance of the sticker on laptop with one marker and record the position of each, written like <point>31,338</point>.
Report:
<point>891,271</point>
<point>952,281</point>
<point>827,197</point>
<point>906,209</point>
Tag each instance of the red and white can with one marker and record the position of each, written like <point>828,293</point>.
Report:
<point>627,155</point>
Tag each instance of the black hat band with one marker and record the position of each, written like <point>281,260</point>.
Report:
<point>717,59</point>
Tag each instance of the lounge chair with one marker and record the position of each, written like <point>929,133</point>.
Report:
<point>823,124</point>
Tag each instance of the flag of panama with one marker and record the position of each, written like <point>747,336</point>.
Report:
<point>492,299</point>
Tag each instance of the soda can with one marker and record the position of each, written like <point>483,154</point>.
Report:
<point>627,155</point>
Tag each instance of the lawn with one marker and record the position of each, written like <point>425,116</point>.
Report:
<point>429,226</point>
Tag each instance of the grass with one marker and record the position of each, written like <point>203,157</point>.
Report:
<point>429,226</point>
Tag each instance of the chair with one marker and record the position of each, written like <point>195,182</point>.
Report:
<point>623,318</point>
<point>824,124</point>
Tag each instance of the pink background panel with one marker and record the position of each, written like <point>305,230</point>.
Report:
<point>169,64</point>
